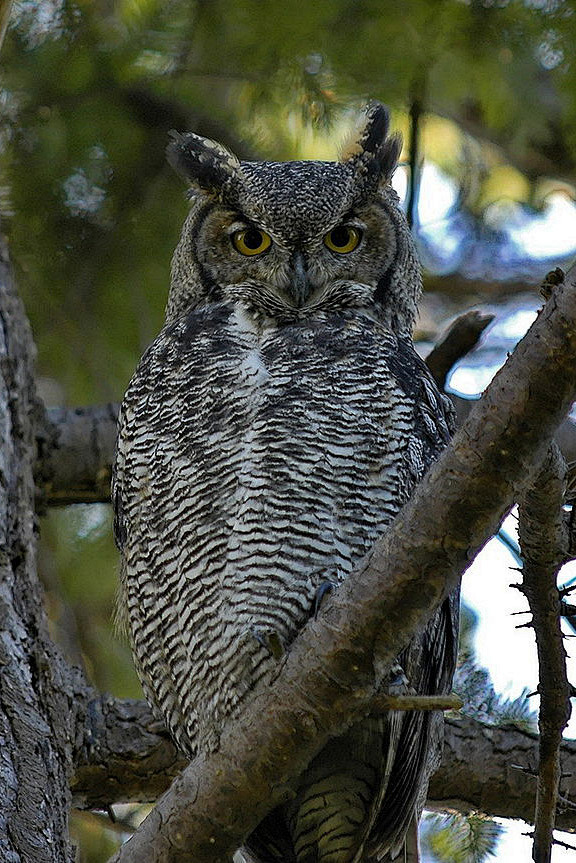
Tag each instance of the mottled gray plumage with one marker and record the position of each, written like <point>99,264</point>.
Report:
<point>270,433</point>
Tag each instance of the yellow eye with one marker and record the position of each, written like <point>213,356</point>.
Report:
<point>251,241</point>
<point>342,239</point>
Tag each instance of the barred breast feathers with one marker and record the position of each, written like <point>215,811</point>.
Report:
<point>280,452</point>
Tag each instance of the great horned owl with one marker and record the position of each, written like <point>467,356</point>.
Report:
<point>270,433</point>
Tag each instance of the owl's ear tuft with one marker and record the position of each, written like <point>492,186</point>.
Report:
<point>204,164</point>
<point>371,153</point>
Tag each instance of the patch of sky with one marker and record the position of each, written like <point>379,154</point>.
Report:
<point>471,376</point>
<point>512,241</point>
<point>81,196</point>
<point>37,22</point>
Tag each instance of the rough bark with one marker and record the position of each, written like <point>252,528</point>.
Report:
<point>544,542</point>
<point>333,667</point>
<point>75,453</point>
<point>35,693</point>
<point>123,754</point>
<point>490,769</point>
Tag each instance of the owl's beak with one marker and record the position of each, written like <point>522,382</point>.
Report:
<point>299,284</point>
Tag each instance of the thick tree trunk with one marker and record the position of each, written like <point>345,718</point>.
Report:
<point>35,746</point>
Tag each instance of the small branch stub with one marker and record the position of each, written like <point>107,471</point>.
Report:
<point>416,702</point>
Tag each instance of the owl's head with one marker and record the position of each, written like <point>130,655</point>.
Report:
<point>289,239</point>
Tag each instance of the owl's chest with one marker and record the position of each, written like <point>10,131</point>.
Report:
<point>253,416</point>
<point>329,377</point>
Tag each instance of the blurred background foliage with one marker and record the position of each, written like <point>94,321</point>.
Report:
<point>483,91</point>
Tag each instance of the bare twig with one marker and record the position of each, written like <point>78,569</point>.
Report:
<point>331,673</point>
<point>416,702</point>
<point>416,113</point>
<point>543,542</point>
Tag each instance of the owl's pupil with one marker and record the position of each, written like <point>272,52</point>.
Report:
<point>252,238</point>
<point>340,236</point>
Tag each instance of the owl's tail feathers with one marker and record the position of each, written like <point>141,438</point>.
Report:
<point>328,824</point>
<point>337,799</point>
<point>323,825</point>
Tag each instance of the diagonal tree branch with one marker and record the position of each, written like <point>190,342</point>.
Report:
<point>332,670</point>
<point>543,541</point>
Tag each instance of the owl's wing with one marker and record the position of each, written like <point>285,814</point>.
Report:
<point>430,659</point>
<point>134,481</point>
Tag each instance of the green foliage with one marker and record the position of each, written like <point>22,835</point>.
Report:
<point>474,686</point>
<point>95,837</point>
<point>459,838</point>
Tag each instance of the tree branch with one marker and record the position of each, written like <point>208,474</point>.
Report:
<point>490,769</point>
<point>417,100</point>
<point>125,755</point>
<point>333,668</point>
<point>543,541</point>
<point>75,450</point>
<point>76,445</point>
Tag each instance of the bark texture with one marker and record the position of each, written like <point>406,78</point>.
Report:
<point>75,453</point>
<point>490,769</point>
<point>333,668</point>
<point>35,697</point>
<point>544,543</point>
<point>125,755</point>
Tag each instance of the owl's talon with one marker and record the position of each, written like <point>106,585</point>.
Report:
<point>270,640</point>
<point>326,587</point>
